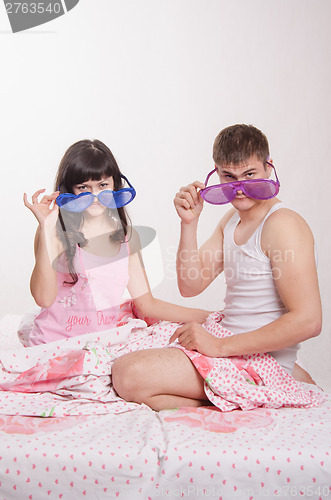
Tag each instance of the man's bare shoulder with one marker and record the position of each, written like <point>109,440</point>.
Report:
<point>285,226</point>
<point>216,239</point>
<point>285,218</point>
<point>219,229</point>
<point>225,219</point>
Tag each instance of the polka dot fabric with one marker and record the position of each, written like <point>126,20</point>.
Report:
<point>248,382</point>
<point>142,454</point>
<point>73,376</point>
<point>99,447</point>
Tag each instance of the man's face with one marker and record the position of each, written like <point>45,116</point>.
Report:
<point>247,170</point>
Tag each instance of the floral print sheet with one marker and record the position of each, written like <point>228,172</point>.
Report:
<point>73,376</point>
<point>72,437</point>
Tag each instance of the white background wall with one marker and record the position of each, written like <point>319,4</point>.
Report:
<point>156,80</point>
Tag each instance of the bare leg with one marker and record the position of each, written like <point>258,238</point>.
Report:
<point>301,375</point>
<point>160,378</point>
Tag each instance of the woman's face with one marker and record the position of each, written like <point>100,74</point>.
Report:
<point>94,187</point>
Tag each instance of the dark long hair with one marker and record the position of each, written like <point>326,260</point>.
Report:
<point>86,160</point>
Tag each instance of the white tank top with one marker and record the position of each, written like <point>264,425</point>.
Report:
<point>252,299</point>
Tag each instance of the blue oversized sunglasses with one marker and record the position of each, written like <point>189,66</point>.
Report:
<point>111,199</point>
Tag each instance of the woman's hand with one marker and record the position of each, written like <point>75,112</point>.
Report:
<point>188,202</point>
<point>43,210</point>
<point>194,337</point>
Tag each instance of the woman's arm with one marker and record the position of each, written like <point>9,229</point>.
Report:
<point>144,301</point>
<point>47,247</point>
<point>43,282</point>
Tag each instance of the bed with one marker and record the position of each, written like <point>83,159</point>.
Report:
<point>129,451</point>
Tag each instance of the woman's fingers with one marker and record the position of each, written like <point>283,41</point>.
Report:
<point>46,200</point>
<point>43,208</point>
<point>25,201</point>
<point>36,194</point>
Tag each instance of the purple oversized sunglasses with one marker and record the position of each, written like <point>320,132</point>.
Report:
<point>258,189</point>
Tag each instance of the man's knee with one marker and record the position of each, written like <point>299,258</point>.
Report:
<point>127,374</point>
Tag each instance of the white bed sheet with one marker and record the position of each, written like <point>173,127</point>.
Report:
<point>194,453</point>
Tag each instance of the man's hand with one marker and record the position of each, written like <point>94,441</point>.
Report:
<point>194,337</point>
<point>188,202</point>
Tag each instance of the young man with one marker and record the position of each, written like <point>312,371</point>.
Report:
<point>266,251</point>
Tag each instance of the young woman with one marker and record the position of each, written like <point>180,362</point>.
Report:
<point>86,252</point>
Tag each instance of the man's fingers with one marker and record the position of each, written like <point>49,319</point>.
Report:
<point>199,184</point>
<point>176,334</point>
<point>194,193</point>
<point>173,337</point>
<point>192,189</point>
<point>180,201</point>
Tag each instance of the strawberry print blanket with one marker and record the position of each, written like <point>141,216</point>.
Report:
<point>73,376</point>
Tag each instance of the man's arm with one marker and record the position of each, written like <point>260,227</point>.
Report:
<point>196,268</point>
<point>288,241</point>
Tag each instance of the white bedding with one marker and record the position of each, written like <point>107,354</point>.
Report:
<point>195,453</point>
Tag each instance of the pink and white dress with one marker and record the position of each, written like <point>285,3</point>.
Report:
<point>92,304</point>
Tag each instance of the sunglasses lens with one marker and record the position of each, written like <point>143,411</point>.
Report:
<point>262,190</point>
<point>123,197</point>
<point>107,199</point>
<point>116,199</point>
<point>75,203</point>
<point>218,195</point>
